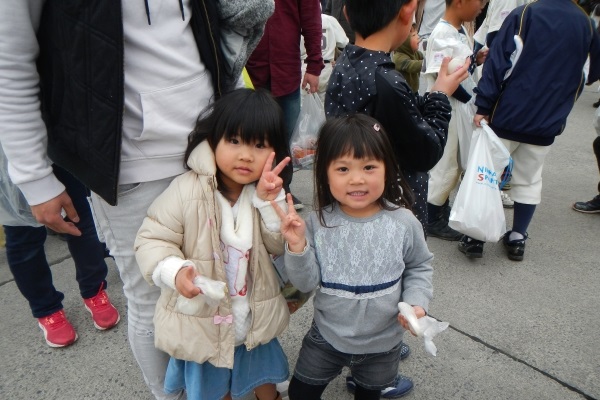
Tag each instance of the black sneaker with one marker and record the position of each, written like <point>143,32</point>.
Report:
<point>588,207</point>
<point>515,249</point>
<point>471,248</point>
<point>441,230</point>
<point>596,104</point>
<point>403,384</point>
<point>297,203</point>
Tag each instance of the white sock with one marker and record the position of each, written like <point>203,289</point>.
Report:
<point>515,236</point>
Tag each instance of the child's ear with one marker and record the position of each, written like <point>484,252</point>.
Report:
<point>407,12</point>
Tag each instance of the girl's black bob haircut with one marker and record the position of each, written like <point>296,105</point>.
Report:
<point>362,137</point>
<point>252,115</point>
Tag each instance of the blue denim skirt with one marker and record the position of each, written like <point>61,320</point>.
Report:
<point>266,363</point>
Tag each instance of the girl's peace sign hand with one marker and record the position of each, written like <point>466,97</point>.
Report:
<point>270,183</point>
<point>293,227</point>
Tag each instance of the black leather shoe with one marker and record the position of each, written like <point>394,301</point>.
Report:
<point>441,230</point>
<point>470,247</point>
<point>596,104</point>
<point>515,249</point>
<point>588,207</point>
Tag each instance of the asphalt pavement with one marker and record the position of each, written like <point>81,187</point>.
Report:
<point>518,330</point>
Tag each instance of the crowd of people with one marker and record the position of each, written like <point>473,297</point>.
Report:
<point>142,110</point>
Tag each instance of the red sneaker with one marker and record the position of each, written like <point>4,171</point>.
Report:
<point>57,329</point>
<point>104,314</point>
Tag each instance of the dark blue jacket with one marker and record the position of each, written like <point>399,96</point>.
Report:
<point>532,105</point>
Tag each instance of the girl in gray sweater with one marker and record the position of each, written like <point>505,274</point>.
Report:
<point>365,251</point>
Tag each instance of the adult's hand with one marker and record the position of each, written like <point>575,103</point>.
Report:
<point>49,214</point>
<point>312,81</point>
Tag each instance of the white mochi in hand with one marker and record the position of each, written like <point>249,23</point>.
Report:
<point>455,64</point>
<point>212,293</point>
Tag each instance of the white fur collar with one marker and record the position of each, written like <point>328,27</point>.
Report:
<point>237,232</point>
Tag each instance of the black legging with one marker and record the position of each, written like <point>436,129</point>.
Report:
<point>299,390</point>
<point>597,153</point>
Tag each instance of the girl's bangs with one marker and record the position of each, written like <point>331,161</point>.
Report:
<point>250,127</point>
<point>358,143</point>
<point>255,119</point>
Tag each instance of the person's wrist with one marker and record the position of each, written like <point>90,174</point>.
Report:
<point>262,197</point>
<point>297,247</point>
<point>439,92</point>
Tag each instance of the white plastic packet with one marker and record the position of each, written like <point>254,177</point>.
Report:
<point>425,327</point>
<point>213,292</point>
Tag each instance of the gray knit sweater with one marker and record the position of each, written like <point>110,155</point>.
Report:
<point>363,268</point>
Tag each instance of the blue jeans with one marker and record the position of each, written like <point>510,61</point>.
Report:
<point>27,259</point>
<point>319,363</point>
<point>290,105</point>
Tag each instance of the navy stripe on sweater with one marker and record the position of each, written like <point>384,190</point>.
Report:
<point>359,289</point>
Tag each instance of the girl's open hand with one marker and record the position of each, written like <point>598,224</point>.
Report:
<point>293,227</point>
<point>184,282</point>
<point>448,83</point>
<point>270,183</point>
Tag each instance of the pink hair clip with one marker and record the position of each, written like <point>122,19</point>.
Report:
<point>376,127</point>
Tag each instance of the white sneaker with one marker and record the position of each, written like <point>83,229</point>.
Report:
<point>283,389</point>
<point>507,202</point>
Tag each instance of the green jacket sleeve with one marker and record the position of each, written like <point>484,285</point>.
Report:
<point>404,63</point>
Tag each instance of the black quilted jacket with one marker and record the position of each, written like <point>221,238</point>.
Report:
<point>81,78</point>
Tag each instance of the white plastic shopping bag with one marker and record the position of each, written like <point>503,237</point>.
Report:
<point>304,136</point>
<point>14,209</point>
<point>477,210</point>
